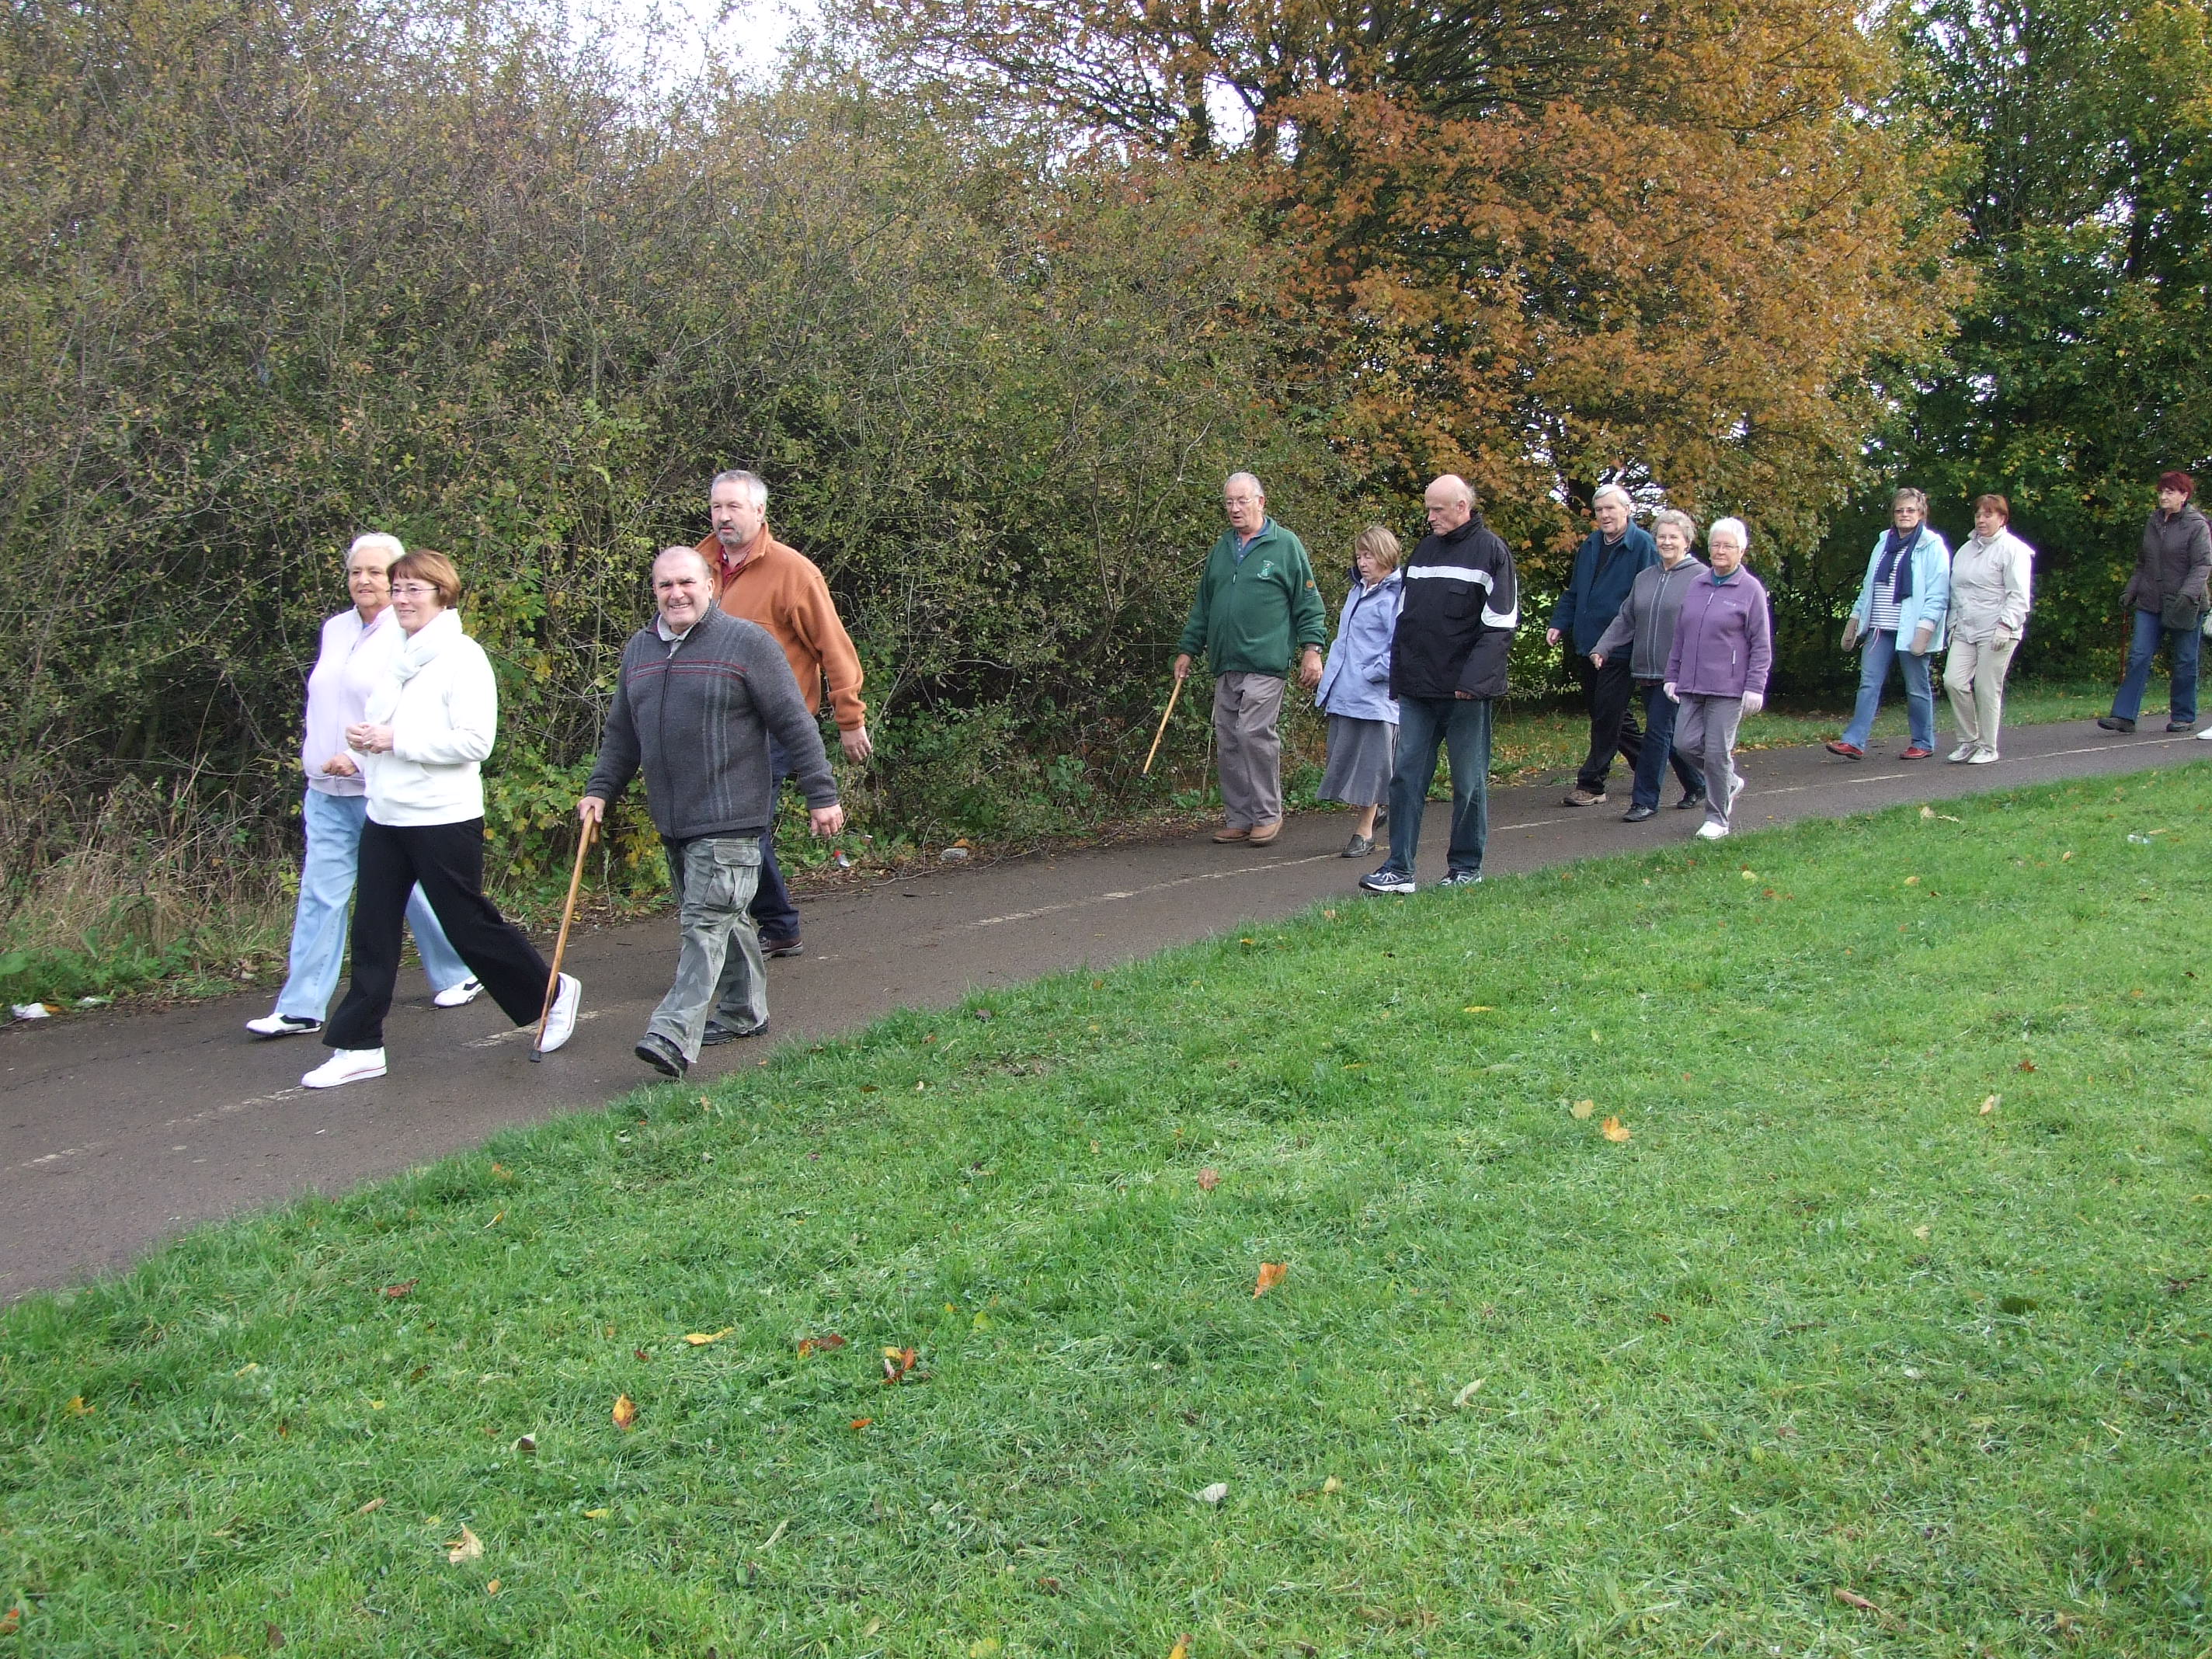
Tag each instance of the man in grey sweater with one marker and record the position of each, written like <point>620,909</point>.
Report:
<point>1645,628</point>
<point>701,693</point>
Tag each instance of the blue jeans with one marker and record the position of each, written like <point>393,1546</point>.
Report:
<point>319,926</point>
<point>1659,712</point>
<point>1462,727</point>
<point>1919,694</point>
<point>773,912</point>
<point>2181,644</point>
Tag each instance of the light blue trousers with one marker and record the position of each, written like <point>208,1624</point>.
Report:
<point>319,926</point>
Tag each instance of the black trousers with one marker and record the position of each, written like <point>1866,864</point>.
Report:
<point>447,859</point>
<point>1611,695</point>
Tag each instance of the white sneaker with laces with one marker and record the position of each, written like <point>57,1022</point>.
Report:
<point>1964,751</point>
<point>459,996</point>
<point>561,1024</point>
<point>2205,736</point>
<point>1981,758</point>
<point>283,1025</point>
<point>345,1065</point>
<point>1711,831</point>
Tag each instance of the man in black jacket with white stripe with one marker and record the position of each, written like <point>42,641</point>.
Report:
<point>1447,671</point>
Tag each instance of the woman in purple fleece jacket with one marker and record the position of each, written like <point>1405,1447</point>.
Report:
<point>1723,648</point>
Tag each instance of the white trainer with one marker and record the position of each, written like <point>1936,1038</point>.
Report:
<point>1981,758</point>
<point>1964,751</point>
<point>561,1024</point>
<point>283,1025</point>
<point>345,1065</point>
<point>1711,831</point>
<point>2205,736</point>
<point>459,996</point>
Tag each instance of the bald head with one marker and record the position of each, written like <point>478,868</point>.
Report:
<point>1449,503</point>
<point>683,587</point>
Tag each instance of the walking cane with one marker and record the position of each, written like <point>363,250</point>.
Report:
<point>561,946</point>
<point>1163,731</point>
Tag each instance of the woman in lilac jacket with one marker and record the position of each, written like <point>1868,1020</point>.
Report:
<point>1724,648</point>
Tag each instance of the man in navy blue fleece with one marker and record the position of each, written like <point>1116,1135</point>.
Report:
<point>1606,566</point>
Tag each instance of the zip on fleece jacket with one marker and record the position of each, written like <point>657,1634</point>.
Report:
<point>1648,616</point>
<point>1724,642</point>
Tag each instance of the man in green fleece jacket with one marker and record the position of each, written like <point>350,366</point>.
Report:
<point>1257,600</point>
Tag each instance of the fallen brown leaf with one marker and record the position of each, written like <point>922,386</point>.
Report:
<point>898,1366</point>
<point>1853,1599</point>
<point>10,1621</point>
<point>1208,1180</point>
<point>492,1588</point>
<point>1272,1274</point>
<point>1614,1130</point>
<point>822,1344</point>
<point>625,1412</point>
<point>526,1444</point>
<point>467,1547</point>
<point>2027,1066</point>
<point>861,1422</point>
<point>370,1507</point>
<point>395,1292</point>
<point>1990,1103</point>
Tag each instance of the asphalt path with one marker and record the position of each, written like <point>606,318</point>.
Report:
<point>121,1129</point>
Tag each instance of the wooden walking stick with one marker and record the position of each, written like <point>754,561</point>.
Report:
<point>1163,731</point>
<point>561,946</point>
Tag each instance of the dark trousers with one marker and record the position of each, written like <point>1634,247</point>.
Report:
<point>1610,695</point>
<point>1659,712</point>
<point>773,912</point>
<point>1460,727</point>
<point>447,860</point>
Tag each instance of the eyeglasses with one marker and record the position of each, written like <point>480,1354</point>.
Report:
<point>413,591</point>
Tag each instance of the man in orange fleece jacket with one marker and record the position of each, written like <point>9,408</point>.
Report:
<point>765,582</point>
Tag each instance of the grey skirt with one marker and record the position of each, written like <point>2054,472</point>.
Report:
<point>1362,755</point>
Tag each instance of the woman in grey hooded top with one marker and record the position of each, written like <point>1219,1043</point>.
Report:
<point>1645,628</point>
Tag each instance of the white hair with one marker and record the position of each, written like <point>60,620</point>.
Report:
<point>1735,528</point>
<point>1681,521</point>
<point>1604,490</point>
<point>378,539</point>
<point>1236,479</point>
<point>755,486</point>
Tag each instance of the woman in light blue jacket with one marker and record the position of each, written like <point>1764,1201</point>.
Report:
<point>1355,688</point>
<point>1902,606</point>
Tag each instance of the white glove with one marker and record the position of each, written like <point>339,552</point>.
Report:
<point>1753,702</point>
<point>1673,695</point>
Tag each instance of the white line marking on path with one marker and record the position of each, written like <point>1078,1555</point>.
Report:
<point>231,1108</point>
<point>1139,892</point>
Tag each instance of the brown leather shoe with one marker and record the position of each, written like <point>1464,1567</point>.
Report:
<point>1264,834</point>
<point>1227,833</point>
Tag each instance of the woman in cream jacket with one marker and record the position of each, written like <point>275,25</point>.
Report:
<point>430,724</point>
<point>1989,595</point>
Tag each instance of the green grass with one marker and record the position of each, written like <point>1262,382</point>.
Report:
<point>1822,1323</point>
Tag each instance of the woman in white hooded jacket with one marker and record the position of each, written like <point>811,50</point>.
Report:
<point>1990,596</point>
<point>430,724</point>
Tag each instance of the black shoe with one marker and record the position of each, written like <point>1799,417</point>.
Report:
<point>664,1056</point>
<point>2114,723</point>
<point>782,947</point>
<point>1638,814</point>
<point>1388,879</point>
<point>717,1034</point>
<point>1691,798</point>
<point>2181,725</point>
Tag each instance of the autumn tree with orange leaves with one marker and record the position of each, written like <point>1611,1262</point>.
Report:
<point>1547,246</point>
